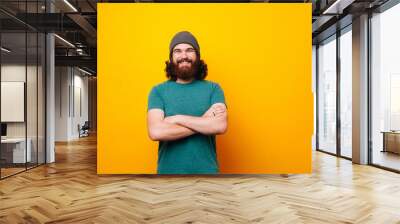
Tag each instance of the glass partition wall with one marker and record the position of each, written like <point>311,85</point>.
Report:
<point>345,62</point>
<point>327,95</point>
<point>22,88</point>
<point>385,89</point>
<point>334,93</point>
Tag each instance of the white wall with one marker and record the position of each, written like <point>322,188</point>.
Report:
<point>12,73</point>
<point>81,84</point>
<point>62,81</point>
<point>71,87</point>
<point>33,127</point>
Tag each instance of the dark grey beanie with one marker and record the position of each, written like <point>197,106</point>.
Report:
<point>184,37</point>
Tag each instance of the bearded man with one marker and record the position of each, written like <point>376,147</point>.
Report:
<point>186,112</point>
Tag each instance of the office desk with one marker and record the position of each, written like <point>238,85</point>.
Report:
<point>13,150</point>
<point>391,141</point>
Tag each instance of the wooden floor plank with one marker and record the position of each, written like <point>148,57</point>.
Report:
<point>70,191</point>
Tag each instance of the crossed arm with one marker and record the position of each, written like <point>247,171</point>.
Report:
<point>212,122</point>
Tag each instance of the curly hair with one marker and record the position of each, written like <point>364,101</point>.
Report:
<point>200,70</point>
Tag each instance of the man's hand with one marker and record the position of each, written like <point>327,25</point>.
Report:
<point>217,109</point>
<point>213,121</point>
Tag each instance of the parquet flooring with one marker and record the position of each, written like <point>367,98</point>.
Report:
<point>70,191</point>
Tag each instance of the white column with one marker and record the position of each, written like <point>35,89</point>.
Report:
<point>360,90</point>
<point>50,92</point>
<point>50,99</point>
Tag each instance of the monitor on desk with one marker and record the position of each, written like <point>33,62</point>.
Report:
<point>3,130</point>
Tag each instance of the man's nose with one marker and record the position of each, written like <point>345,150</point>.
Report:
<point>184,56</point>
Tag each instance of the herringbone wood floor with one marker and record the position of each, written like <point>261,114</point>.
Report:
<point>70,191</point>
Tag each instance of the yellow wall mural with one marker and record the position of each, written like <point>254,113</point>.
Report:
<point>258,53</point>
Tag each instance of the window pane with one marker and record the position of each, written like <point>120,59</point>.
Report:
<point>327,96</point>
<point>346,94</point>
<point>386,88</point>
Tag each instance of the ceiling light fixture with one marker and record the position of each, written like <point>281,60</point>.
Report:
<point>70,5</point>
<point>5,50</point>
<point>84,71</point>
<point>337,7</point>
<point>64,40</point>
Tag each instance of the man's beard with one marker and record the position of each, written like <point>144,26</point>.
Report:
<point>186,72</point>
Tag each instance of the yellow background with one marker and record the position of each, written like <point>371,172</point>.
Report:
<point>259,53</point>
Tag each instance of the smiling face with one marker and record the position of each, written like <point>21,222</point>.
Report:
<point>184,59</point>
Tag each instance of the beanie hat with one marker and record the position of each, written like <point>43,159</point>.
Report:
<point>184,37</point>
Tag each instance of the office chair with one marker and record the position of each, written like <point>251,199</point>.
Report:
<point>84,130</point>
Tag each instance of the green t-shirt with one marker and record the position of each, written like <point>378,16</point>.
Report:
<point>195,154</point>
